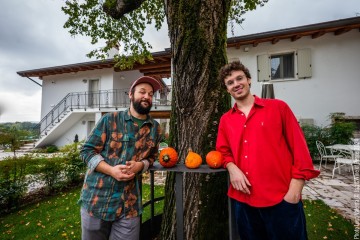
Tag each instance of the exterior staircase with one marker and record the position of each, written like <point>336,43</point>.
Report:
<point>75,105</point>
<point>27,147</point>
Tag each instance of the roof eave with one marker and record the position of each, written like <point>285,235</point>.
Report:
<point>161,63</point>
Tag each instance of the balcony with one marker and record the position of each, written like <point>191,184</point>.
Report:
<point>102,100</point>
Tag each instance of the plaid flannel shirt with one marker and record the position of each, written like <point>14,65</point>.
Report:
<point>115,140</point>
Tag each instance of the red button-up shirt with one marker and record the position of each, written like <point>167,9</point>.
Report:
<point>269,148</point>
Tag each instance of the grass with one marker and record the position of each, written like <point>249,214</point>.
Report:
<point>58,218</point>
<point>158,209</point>
<point>324,222</point>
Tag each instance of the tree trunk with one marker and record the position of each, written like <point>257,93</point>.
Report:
<point>197,31</point>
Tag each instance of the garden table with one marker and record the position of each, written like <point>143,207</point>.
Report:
<point>353,149</point>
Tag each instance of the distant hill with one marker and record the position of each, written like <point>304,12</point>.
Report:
<point>29,126</point>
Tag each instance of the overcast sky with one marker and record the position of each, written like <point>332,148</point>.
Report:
<point>32,36</point>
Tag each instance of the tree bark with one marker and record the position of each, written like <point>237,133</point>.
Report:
<point>197,31</point>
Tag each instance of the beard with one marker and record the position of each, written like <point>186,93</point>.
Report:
<point>139,108</point>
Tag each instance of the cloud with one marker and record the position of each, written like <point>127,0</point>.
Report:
<point>32,36</point>
<point>26,107</point>
<point>280,14</point>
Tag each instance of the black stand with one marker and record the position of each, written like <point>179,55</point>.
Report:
<point>179,170</point>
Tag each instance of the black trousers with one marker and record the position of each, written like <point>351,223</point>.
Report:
<point>283,221</point>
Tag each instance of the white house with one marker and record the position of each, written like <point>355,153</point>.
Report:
<point>314,68</point>
<point>75,96</point>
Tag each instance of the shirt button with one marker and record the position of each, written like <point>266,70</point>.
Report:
<point>244,125</point>
<point>247,173</point>
<point>245,156</point>
<point>245,141</point>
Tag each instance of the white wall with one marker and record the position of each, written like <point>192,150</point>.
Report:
<point>56,87</point>
<point>123,80</point>
<point>68,137</point>
<point>335,82</point>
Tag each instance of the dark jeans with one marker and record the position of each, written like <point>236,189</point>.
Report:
<point>280,222</point>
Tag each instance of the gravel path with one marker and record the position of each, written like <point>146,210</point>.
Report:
<point>10,154</point>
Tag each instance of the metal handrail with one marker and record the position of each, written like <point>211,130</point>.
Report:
<point>114,98</point>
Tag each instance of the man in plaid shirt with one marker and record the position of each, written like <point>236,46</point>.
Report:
<point>120,147</point>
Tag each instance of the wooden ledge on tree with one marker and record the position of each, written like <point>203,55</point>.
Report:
<point>204,168</point>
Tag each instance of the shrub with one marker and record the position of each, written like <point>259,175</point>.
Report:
<point>50,174</point>
<point>341,132</point>
<point>11,192</point>
<point>52,149</point>
<point>312,134</point>
<point>12,183</point>
<point>75,167</point>
<point>338,132</point>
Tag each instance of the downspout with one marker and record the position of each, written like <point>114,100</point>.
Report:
<point>35,81</point>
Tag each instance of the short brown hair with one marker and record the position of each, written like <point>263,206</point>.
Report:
<point>227,69</point>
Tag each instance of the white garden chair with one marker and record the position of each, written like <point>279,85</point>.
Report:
<point>324,155</point>
<point>339,162</point>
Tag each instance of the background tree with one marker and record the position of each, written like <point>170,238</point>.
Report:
<point>11,137</point>
<point>198,33</point>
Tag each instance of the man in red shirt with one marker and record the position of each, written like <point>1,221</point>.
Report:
<point>266,155</point>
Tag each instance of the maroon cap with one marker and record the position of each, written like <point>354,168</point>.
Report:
<point>145,79</point>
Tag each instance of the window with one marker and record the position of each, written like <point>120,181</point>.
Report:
<point>284,66</point>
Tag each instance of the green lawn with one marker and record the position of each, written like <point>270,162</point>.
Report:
<point>324,223</point>
<point>54,218</point>
<point>58,218</point>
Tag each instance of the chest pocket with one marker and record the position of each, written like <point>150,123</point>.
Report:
<point>127,142</point>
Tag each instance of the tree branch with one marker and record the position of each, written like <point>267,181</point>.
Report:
<point>118,8</point>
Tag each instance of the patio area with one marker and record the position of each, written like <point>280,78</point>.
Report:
<point>340,192</point>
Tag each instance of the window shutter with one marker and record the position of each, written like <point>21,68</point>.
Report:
<point>263,68</point>
<point>304,63</point>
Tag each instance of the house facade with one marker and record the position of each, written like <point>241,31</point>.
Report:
<point>74,97</point>
<point>314,68</point>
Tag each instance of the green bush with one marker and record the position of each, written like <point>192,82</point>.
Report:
<point>52,149</point>
<point>341,132</point>
<point>52,172</point>
<point>11,193</point>
<point>75,167</point>
<point>338,132</point>
<point>312,134</point>
<point>12,183</point>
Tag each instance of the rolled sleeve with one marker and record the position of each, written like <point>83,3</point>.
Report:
<point>302,167</point>
<point>94,145</point>
<point>305,174</point>
<point>146,165</point>
<point>94,161</point>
